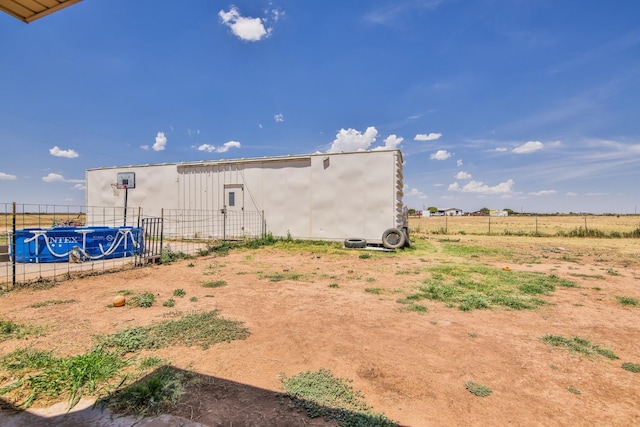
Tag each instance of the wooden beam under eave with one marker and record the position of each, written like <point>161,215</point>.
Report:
<point>51,10</point>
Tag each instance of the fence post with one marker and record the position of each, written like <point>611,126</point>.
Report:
<point>489,224</point>
<point>536,226</point>
<point>13,247</point>
<point>224,224</point>
<point>161,230</point>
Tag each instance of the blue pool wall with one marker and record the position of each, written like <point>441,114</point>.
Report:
<point>45,245</point>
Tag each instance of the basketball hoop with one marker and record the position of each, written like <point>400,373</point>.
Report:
<point>117,187</point>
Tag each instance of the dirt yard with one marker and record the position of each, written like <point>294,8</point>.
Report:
<point>331,308</point>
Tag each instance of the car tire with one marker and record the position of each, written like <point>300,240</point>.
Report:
<point>355,243</point>
<point>393,238</point>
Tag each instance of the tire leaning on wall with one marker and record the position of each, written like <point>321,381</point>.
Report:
<point>393,238</point>
<point>355,243</point>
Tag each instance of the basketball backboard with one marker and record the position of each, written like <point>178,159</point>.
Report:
<point>126,180</point>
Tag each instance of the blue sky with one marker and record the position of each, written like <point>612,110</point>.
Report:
<point>531,105</point>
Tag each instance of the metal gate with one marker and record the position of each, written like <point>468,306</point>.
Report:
<point>151,241</point>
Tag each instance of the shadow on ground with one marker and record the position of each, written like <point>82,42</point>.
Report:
<point>207,400</point>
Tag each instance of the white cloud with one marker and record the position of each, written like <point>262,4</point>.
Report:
<point>353,140</point>
<point>481,188</point>
<point>571,194</point>
<point>7,177</point>
<point>463,175</point>
<point>414,192</point>
<point>528,147</point>
<point>222,149</point>
<point>247,29</point>
<point>278,118</point>
<point>276,15</point>
<point>161,142</point>
<point>427,136</point>
<point>440,155</point>
<point>193,132</point>
<point>144,147</point>
<point>500,149</point>
<point>53,177</point>
<point>225,147</point>
<point>396,11</point>
<point>57,152</point>
<point>459,162</point>
<point>56,177</point>
<point>391,143</point>
<point>543,193</point>
<point>79,187</point>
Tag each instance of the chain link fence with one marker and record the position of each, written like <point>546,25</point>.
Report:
<point>46,243</point>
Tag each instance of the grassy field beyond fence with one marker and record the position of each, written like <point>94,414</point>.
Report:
<point>530,225</point>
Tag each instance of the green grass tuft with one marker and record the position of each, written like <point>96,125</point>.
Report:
<point>321,394</point>
<point>196,328</point>
<point>15,330</point>
<point>214,284</point>
<point>631,367</point>
<point>26,359</point>
<point>179,293</point>
<point>52,302</point>
<point>573,390</point>
<point>146,300</point>
<point>478,389</point>
<point>75,376</point>
<point>472,287</point>
<point>418,308</point>
<point>153,395</point>
<point>578,345</point>
<point>279,277</point>
<point>169,256</point>
<point>150,362</point>
<point>628,301</point>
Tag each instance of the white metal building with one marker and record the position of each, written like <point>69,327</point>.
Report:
<point>317,196</point>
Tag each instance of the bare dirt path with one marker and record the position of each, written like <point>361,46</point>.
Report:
<point>411,366</point>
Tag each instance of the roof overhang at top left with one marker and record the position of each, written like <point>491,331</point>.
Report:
<point>30,10</point>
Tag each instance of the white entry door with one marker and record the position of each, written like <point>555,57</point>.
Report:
<point>234,210</point>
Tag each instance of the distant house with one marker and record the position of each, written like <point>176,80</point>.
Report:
<point>498,213</point>
<point>451,212</point>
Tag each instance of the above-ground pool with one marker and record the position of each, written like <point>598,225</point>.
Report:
<point>58,244</point>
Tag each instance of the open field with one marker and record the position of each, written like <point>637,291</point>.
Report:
<point>542,225</point>
<point>496,329</point>
<point>43,220</point>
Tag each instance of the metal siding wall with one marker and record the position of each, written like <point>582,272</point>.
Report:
<point>156,188</point>
<point>354,196</point>
<point>286,193</point>
<point>253,180</point>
